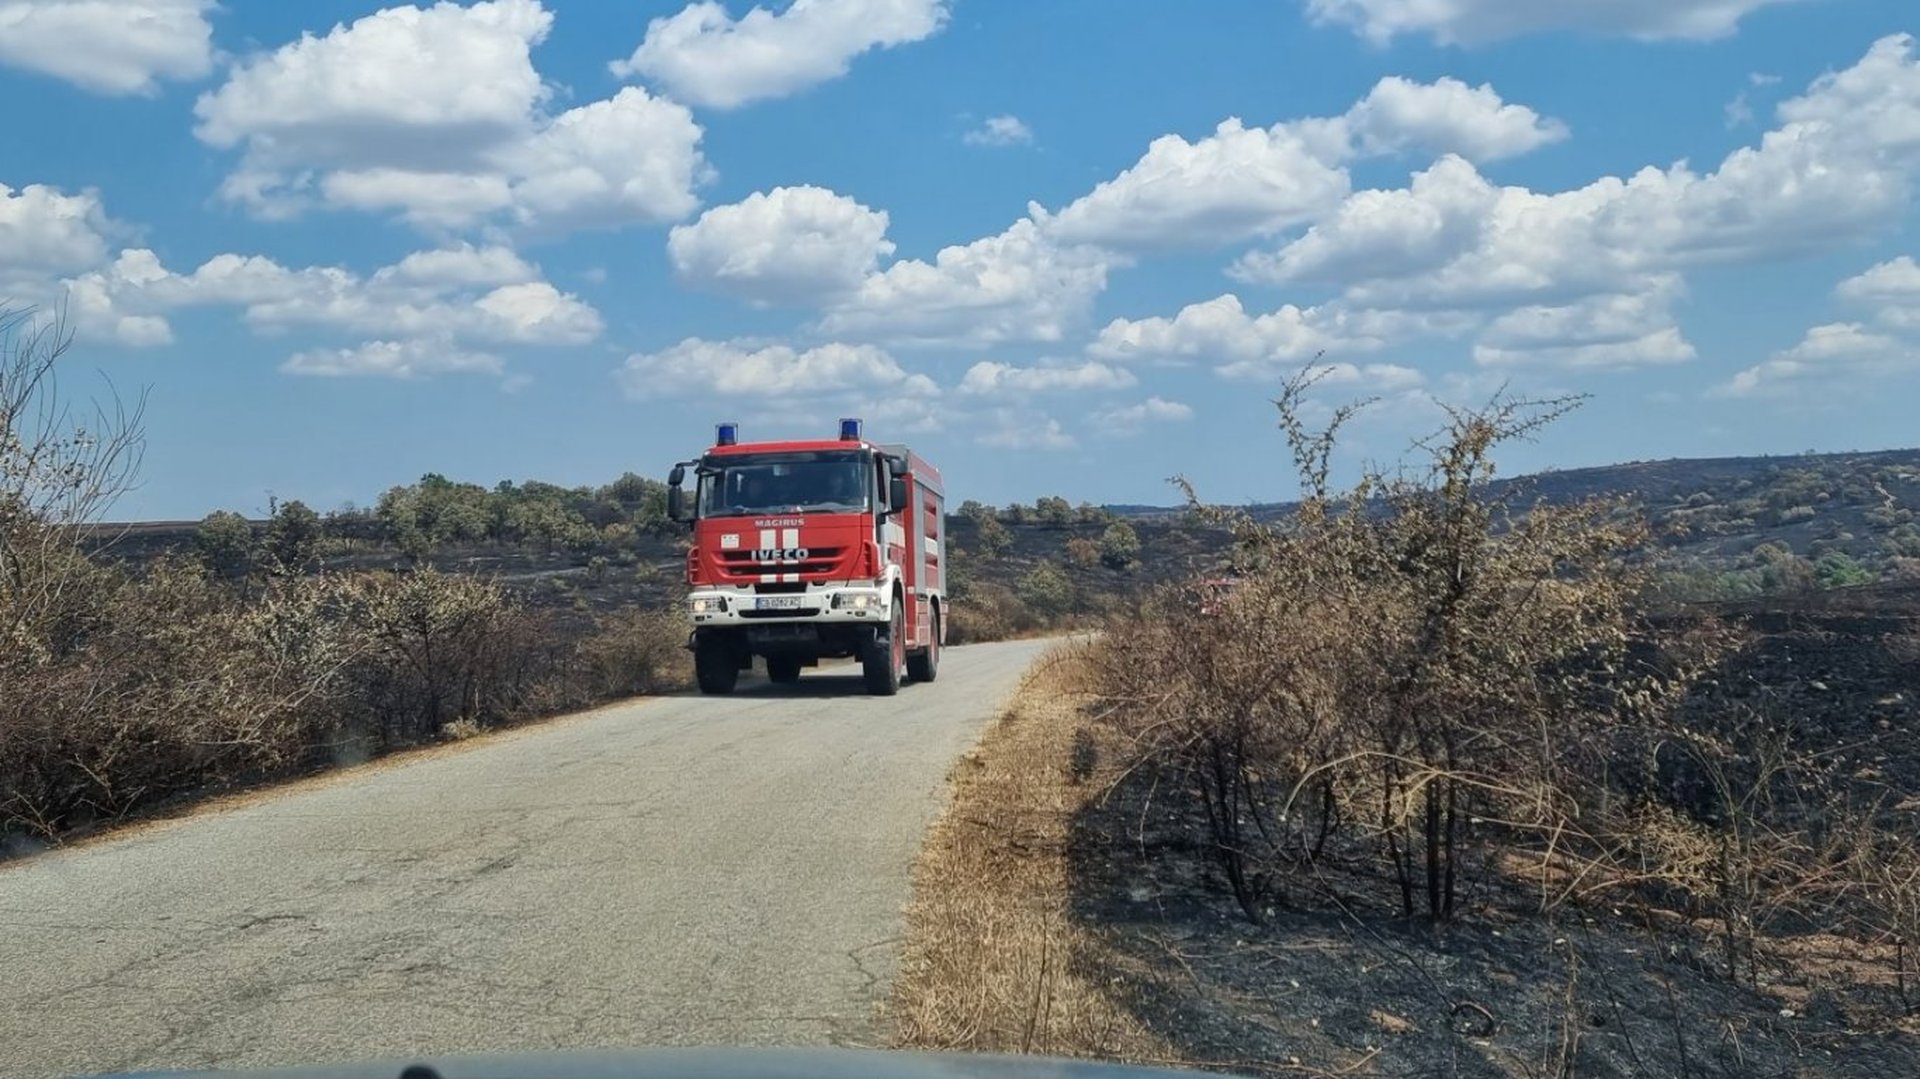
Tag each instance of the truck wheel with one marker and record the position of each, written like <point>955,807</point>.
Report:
<point>925,667</point>
<point>886,655</point>
<point>783,669</point>
<point>715,667</point>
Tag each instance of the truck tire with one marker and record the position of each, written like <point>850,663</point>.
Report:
<point>925,666</point>
<point>715,667</point>
<point>783,669</point>
<point>886,655</point>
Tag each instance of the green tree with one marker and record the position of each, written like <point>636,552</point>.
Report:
<point>974,510</point>
<point>1053,511</point>
<point>224,544</point>
<point>1090,514</point>
<point>293,536</point>
<point>1837,569</point>
<point>993,539</point>
<point>1047,590</point>
<point>1119,545</point>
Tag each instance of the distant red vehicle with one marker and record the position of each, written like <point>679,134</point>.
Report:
<point>810,550</point>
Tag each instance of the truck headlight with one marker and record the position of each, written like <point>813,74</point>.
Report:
<point>857,601</point>
<point>709,604</point>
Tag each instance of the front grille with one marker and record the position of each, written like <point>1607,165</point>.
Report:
<point>791,612</point>
<point>780,588</point>
<point>743,564</point>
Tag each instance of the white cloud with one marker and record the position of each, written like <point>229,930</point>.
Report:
<point>1129,419</point>
<point>439,200</point>
<point>991,378</point>
<point>1446,116</point>
<point>462,265</point>
<point>434,295</point>
<point>446,81</point>
<point>1841,355</point>
<point>1016,286</point>
<point>632,157</point>
<point>1831,360</point>
<point>416,358</point>
<point>1839,167</point>
<point>1233,185</point>
<point>438,114</point>
<point>1037,279</point>
<point>1022,429</point>
<point>108,46</point>
<point>44,230</point>
<point>791,244</point>
<point>1598,332</point>
<point>1258,347</point>
<point>750,369</point>
<point>1474,21</point>
<point>1891,289</point>
<point>705,56</point>
<point>1000,131</point>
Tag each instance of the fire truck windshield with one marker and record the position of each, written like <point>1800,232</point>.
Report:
<point>785,483</point>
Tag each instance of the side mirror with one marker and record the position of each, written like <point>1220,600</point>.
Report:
<point>897,494</point>
<point>676,498</point>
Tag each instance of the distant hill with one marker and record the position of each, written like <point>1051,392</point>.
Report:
<point>1728,527</point>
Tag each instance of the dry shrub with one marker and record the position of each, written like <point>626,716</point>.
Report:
<point>119,691</point>
<point>1404,671</point>
<point>633,653</point>
<point>990,612</point>
<point>1426,686</point>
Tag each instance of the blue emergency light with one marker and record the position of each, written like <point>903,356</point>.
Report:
<point>849,430</point>
<point>726,434</point>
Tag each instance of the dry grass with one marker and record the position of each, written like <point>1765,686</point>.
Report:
<point>992,961</point>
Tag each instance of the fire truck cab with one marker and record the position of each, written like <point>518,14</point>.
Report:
<point>812,550</point>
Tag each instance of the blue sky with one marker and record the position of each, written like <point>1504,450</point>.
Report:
<point>1060,247</point>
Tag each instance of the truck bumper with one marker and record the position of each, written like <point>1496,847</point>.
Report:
<point>820,604</point>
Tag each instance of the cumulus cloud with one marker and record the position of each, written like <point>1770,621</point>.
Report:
<point>1446,116</point>
<point>438,114</point>
<point>1235,184</point>
<point>750,369</point>
<point>787,245</point>
<point>992,378</point>
<point>1597,332</point>
<point>44,230</point>
<point>416,358</point>
<point>485,295</point>
<point>1016,286</point>
<point>1843,354</point>
<point>1000,131</point>
<point>1839,167</point>
<point>704,56</point>
<point>1037,279</point>
<point>1253,347</point>
<point>1130,419</point>
<point>108,46</point>
<point>1475,21</point>
<point>1831,357</point>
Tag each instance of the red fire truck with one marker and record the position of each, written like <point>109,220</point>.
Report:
<point>812,550</point>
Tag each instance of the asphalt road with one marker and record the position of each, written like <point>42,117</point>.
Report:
<point>673,872</point>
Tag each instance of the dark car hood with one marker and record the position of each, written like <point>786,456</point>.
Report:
<point>706,1063</point>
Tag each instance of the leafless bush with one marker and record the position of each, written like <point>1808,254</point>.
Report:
<point>1404,670</point>
<point>119,690</point>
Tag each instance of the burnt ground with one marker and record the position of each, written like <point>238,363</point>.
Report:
<point>1334,982</point>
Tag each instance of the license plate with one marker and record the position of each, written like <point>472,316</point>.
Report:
<point>779,603</point>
